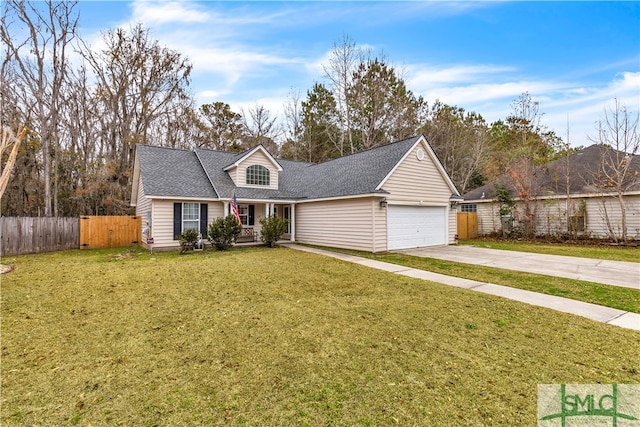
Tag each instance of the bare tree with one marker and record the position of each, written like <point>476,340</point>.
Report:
<point>343,61</point>
<point>9,139</point>
<point>140,85</point>
<point>619,169</point>
<point>293,128</point>
<point>41,56</point>
<point>261,127</point>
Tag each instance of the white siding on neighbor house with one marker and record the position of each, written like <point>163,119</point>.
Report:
<point>551,216</point>
<point>162,220</point>
<point>345,224</point>
<point>598,209</point>
<point>143,207</point>
<point>257,158</point>
<point>488,219</point>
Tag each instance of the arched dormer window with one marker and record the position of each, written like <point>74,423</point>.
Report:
<point>257,175</point>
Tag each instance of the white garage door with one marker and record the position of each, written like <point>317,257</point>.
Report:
<point>415,226</point>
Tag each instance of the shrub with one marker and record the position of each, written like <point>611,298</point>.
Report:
<point>188,240</point>
<point>224,232</point>
<point>273,228</point>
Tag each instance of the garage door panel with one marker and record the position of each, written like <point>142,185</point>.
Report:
<point>415,226</point>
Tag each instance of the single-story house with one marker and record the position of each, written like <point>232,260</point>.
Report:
<point>390,197</point>
<point>576,194</point>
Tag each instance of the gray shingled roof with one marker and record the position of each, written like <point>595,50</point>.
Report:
<point>358,173</point>
<point>583,169</point>
<point>180,173</point>
<point>168,172</point>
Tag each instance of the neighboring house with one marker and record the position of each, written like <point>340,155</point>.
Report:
<point>576,194</point>
<point>390,197</point>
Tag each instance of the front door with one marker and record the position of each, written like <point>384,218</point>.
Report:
<point>287,217</point>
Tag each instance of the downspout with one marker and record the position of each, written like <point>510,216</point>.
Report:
<point>293,222</point>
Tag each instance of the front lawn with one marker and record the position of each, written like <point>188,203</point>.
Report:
<point>278,337</point>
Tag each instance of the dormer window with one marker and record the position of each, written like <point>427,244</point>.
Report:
<point>257,175</point>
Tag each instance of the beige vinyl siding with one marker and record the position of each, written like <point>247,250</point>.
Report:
<point>216,210</point>
<point>453,225</point>
<point>143,207</point>
<point>162,218</point>
<point>379,216</point>
<point>341,223</point>
<point>162,223</point>
<point>415,180</point>
<point>233,173</point>
<point>257,158</point>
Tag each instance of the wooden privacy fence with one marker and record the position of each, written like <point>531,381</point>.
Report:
<point>27,235</point>
<point>109,231</point>
<point>467,225</point>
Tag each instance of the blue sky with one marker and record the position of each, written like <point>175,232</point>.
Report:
<point>573,58</point>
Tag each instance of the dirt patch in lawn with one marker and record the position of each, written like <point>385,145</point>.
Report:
<point>6,268</point>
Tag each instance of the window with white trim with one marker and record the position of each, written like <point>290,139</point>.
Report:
<point>258,175</point>
<point>190,216</point>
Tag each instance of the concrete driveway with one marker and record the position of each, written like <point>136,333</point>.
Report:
<point>616,273</point>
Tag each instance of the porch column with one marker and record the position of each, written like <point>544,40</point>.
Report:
<point>226,209</point>
<point>292,220</point>
<point>266,209</point>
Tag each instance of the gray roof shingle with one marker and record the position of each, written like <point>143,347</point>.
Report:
<point>358,173</point>
<point>168,172</point>
<point>181,173</point>
<point>583,169</point>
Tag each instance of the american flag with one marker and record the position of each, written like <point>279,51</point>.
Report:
<point>234,209</point>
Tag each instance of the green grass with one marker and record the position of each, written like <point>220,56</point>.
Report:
<point>613,253</point>
<point>278,337</point>
<point>610,296</point>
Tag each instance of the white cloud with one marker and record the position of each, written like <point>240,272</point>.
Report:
<point>424,77</point>
<point>491,89</point>
<point>154,12</point>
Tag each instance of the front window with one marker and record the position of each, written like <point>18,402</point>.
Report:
<point>468,208</point>
<point>190,216</point>
<point>577,223</point>
<point>257,175</point>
